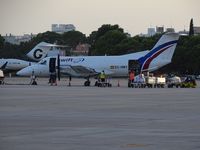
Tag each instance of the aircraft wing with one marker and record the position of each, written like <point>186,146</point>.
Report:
<point>77,71</point>
<point>80,71</point>
<point>83,70</point>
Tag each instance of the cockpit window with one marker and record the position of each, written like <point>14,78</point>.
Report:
<point>43,62</point>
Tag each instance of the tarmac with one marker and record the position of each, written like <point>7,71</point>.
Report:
<point>60,117</point>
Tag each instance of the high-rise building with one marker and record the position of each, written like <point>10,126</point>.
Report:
<point>62,28</point>
<point>151,32</point>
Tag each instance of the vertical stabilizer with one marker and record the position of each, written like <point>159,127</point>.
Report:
<point>39,51</point>
<point>161,53</point>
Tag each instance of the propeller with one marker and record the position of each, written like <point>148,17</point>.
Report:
<point>58,67</point>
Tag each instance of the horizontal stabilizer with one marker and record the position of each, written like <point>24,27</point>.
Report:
<point>4,66</point>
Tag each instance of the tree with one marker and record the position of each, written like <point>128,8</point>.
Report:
<point>97,35</point>
<point>107,43</point>
<point>1,41</point>
<point>186,59</point>
<point>101,31</point>
<point>50,37</point>
<point>73,38</point>
<point>191,31</point>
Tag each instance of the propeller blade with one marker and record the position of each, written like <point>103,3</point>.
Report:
<point>58,67</point>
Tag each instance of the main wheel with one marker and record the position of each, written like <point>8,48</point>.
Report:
<point>87,83</point>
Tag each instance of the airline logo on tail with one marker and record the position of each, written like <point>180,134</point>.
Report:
<point>39,51</point>
<point>37,54</point>
<point>161,54</point>
<point>147,59</point>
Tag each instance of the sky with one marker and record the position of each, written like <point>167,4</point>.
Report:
<point>20,17</point>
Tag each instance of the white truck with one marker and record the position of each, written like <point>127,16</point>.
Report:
<point>1,77</point>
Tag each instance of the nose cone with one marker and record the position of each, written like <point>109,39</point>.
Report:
<point>25,72</point>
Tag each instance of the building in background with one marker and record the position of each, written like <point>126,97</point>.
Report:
<point>18,39</point>
<point>151,32</point>
<point>170,30</point>
<point>62,28</point>
<point>196,30</point>
<point>159,29</point>
<point>184,33</point>
<point>81,49</point>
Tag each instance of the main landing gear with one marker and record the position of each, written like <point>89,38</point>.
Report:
<point>87,82</point>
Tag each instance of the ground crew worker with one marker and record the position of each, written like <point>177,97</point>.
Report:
<point>102,76</point>
<point>52,79</point>
<point>131,76</point>
<point>33,79</point>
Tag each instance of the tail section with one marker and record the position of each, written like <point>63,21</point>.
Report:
<point>4,66</point>
<point>44,49</point>
<point>39,51</point>
<point>161,54</point>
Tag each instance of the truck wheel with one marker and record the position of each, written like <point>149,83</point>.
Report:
<point>129,84</point>
<point>170,86</point>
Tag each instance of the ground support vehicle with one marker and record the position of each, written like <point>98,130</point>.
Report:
<point>188,82</point>
<point>103,84</point>
<point>174,82</point>
<point>1,77</point>
<point>148,81</point>
<point>160,82</point>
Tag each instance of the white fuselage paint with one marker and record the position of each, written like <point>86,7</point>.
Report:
<point>113,65</point>
<point>15,64</point>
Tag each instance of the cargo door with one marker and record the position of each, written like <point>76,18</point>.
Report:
<point>134,65</point>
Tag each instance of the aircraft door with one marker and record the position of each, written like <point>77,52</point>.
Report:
<point>52,65</point>
<point>135,66</point>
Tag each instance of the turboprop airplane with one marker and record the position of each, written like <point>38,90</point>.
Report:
<point>87,66</point>
<point>40,51</point>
